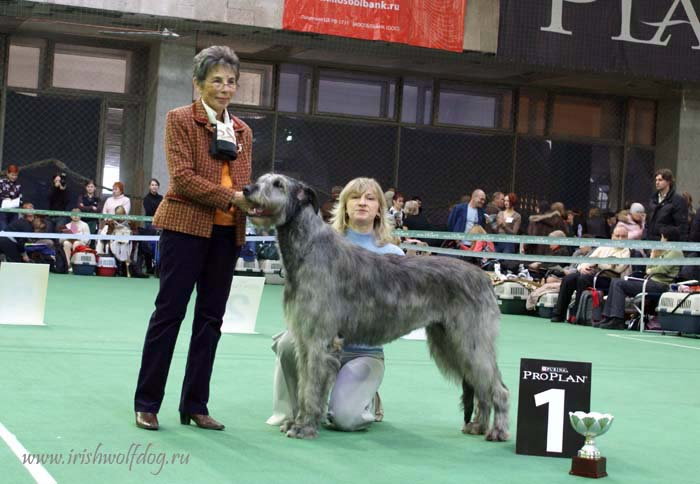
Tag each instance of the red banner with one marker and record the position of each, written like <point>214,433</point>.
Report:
<point>436,24</point>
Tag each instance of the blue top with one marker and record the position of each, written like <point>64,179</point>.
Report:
<point>367,241</point>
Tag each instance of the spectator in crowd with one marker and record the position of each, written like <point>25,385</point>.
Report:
<point>596,224</point>
<point>544,223</point>
<point>691,210</point>
<point>633,220</point>
<point>419,201</point>
<point>58,202</point>
<point>327,207</point>
<point>10,195</point>
<point>540,270</point>
<point>478,245</point>
<point>89,202</point>
<point>508,223</point>
<point>75,227</point>
<point>11,247</point>
<point>396,210</point>
<point>659,279</point>
<point>666,208</point>
<point>152,199</point>
<point>353,403</point>
<point>413,219</point>
<point>695,228</point>
<point>465,215</point>
<point>389,197</point>
<point>611,220</point>
<point>118,199</point>
<point>587,273</point>
<point>150,204</point>
<point>492,209</point>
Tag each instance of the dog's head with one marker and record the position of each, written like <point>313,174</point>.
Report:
<point>276,199</point>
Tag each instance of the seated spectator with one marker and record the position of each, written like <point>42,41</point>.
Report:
<point>659,279</point>
<point>327,207</point>
<point>10,195</point>
<point>547,221</point>
<point>75,227</point>
<point>118,199</point>
<point>508,223</point>
<point>13,248</point>
<point>540,270</point>
<point>633,220</point>
<point>124,251</point>
<point>584,277</point>
<point>396,210</point>
<point>89,202</point>
<point>478,245</point>
<point>413,219</point>
<point>596,225</point>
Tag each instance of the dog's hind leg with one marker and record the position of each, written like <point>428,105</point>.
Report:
<point>490,393</point>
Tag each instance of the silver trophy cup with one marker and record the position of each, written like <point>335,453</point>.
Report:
<point>590,425</point>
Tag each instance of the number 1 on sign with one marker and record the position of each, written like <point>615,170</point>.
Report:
<point>555,417</point>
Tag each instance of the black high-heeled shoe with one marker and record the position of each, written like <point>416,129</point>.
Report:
<point>202,421</point>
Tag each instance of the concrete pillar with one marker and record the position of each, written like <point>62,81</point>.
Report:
<point>169,86</point>
<point>678,140</point>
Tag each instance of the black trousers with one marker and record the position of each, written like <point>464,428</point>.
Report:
<point>619,289</point>
<point>576,282</point>
<point>187,261</point>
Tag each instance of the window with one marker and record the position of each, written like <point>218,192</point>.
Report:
<point>417,101</point>
<point>586,116</point>
<point>90,68</point>
<point>24,63</point>
<point>254,85</point>
<point>641,122</point>
<point>113,148</point>
<point>295,89</point>
<point>467,106</point>
<point>356,94</point>
<point>532,112</point>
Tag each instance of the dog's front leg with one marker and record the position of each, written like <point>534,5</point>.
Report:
<point>314,381</point>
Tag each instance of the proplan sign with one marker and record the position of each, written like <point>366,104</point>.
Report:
<point>650,38</point>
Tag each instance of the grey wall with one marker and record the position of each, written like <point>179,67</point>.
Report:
<point>169,86</point>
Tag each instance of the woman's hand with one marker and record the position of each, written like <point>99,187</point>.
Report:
<point>240,201</point>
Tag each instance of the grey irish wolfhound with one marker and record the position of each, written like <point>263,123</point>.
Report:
<point>336,291</point>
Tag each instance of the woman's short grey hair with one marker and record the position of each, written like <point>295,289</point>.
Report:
<point>216,55</point>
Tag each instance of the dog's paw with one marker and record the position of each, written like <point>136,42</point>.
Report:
<point>286,426</point>
<point>497,435</point>
<point>473,428</point>
<point>306,432</point>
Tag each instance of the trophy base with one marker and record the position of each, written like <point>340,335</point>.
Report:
<point>594,468</point>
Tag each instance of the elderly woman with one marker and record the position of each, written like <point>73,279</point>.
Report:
<point>202,215</point>
<point>354,403</point>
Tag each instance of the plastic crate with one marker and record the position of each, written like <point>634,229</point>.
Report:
<point>546,304</point>
<point>685,319</point>
<point>512,297</point>
<point>84,269</point>
<point>106,266</point>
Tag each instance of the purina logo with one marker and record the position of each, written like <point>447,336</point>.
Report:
<point>554,374</point>
<point>680,12</point>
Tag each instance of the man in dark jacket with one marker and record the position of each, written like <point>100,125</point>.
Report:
<point>12,247</point>
<point>666,208</point>
<point>465,215</point>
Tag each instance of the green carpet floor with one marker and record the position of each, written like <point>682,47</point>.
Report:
<point>67,388</point>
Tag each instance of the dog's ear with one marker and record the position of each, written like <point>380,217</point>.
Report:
<point>307,195</point>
